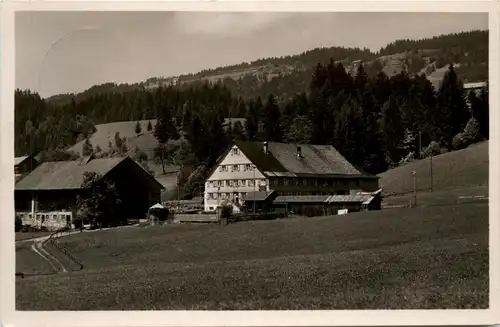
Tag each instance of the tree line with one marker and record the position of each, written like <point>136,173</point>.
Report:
<point>374,121</point>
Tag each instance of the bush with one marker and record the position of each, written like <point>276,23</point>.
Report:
<point>458,142</point>
<point>432,149</point>
<point>78,223</point>
<point>409,158</point>
<point>471,133</point>
<point>226,211</point>
<point>18,225</point>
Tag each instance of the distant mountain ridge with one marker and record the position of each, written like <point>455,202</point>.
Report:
<point>287,75</point>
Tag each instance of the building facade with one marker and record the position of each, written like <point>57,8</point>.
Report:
<point>234,177</point>
<point>287,169</point>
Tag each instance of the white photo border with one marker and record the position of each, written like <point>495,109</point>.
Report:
<point>10,317</point>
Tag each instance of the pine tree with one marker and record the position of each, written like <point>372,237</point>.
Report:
<point>349,133</point>
<point>241,108</point>
<point>138,128</point>
<point>238,132</point>
<point>361,79</point>
<point>480,110</point>
<point>271,122</point>
<point>392,127</point>
<point>299,131</point>
<point>87,149</point>
<point>252,120</point>
<point>452,112</point>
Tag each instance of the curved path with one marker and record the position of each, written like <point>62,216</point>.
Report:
<point>34,248</point>
<point>38,248</point>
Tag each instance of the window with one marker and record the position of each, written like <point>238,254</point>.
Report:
<point>228,183</point>
<point>228,196</point>
<point>235,168</point>
<point>221,183</point>
<point>215,196</point>
<point>250,182</point>
<point>221,168</point>
<point>263,182</point>
<point>242,182</point>
<point>211,184</point>
<point>235,152</point>
<point>303,181</point>
<point>248,167</point>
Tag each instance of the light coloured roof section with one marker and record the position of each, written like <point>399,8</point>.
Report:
<point>475,85</point>
<point>18,160</point>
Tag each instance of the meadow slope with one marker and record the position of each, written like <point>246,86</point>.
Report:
<point>428,257</point>
<point>458,169</point>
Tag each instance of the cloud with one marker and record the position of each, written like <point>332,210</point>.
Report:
<point>226,24</point>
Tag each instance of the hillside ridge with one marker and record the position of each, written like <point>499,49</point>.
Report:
<point>285,75</point>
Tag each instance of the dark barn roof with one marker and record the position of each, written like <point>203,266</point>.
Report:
<point>69,174</point>
<point>315,160</point>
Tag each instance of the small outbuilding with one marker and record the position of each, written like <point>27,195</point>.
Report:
<point>158,214</point>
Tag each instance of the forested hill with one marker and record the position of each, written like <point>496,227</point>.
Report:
<point>288,75</point>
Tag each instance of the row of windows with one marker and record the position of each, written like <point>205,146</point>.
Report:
<point>240,167</point>
<point>282,182</point>
<point>242,195</point>
<point>309,182</point>
<point>235,183</point>
<point>226,195</point>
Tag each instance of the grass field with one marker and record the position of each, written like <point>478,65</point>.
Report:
<point>459,169</point>
<point>444,197</point>
<point>28,235</point>
<point>428,257</point>
<point>29,262</point>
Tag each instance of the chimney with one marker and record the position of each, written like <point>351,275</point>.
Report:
<point>299,152</point>
<point>265,147</point>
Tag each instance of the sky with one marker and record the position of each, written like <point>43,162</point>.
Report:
<point>62,52</point>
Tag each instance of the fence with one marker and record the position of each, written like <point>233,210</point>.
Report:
<point>60,232</point>
<point>66,252</point>
<point>195,218</point>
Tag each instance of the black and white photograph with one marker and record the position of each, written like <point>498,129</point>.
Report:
<point>250,160</point>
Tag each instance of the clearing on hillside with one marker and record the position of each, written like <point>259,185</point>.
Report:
<point>423,258</point>
<point>458,169</point>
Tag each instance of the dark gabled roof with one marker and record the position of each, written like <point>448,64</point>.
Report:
<point>264,162</point>
<point>282,160</point>
<point>63,175</point>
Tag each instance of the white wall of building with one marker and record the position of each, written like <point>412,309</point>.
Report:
<point>235,174</point>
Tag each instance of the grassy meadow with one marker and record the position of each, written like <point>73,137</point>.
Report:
<point>423,258</point>
<point>458,169</point>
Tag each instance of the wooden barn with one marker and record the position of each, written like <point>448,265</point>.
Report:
<point>47,196</point>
